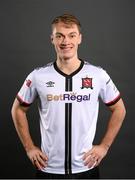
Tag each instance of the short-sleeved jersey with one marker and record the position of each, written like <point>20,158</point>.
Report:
<point>68,108</point>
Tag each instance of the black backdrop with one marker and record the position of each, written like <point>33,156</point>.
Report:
<point>108,41</point>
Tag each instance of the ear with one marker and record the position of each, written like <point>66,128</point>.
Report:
<point>51,38</point>
<point>80,39</point>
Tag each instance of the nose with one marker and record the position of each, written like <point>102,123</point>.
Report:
<point>65,40</point>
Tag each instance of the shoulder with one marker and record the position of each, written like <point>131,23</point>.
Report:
<point>41,70</point>
<point>45,67</point>
<point>93,68</point>
<point>96,71</point>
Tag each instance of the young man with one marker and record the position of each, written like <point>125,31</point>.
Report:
<point>68,91</point>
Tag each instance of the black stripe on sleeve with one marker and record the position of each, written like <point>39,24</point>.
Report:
<point>22,103</point>
<point>113,101</point>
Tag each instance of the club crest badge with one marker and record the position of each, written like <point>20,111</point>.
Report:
<point>87,83</point>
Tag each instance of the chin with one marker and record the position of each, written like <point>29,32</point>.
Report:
<point>66,57</point>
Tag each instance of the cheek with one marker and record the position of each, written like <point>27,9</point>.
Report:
<point>57,44</point>
<point>77,44</point>
<point>57,48</point>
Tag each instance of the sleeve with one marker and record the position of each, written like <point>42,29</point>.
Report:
<point>109,92</point>
<point>28,92</point>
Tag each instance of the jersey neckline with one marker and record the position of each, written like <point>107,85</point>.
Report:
<point>68,75</point>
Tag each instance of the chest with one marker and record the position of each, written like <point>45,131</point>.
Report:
<point>57,87</point>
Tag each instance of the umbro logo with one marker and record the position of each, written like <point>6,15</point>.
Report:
<point>50,84</point>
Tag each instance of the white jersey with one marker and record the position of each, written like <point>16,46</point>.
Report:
<point>68,108</point>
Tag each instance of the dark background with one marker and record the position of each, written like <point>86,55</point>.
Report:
<point>108,41</point>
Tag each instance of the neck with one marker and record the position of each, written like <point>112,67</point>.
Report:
<point>68,66</point>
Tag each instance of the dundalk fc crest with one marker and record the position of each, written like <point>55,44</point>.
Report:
<point>87,83</point>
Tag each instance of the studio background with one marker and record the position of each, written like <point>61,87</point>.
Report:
<point>108,41</point>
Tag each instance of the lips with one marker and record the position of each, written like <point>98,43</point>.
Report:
<point>65,48</point>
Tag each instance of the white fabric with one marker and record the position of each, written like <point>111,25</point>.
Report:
<point>49,86</point>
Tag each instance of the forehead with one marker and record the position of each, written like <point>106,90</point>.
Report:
<point>64,28</point>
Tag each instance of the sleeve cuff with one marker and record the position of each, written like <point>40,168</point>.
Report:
<point>22,103</point>
<point>113,101</point>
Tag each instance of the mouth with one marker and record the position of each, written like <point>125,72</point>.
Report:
<point>64,48</point>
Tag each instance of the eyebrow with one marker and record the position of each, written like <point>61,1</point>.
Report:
<point>58,33</point>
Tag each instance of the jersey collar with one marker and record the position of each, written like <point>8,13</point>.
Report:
<point>70,75</point>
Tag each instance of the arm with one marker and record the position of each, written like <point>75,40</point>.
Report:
<point>21,124</point>
<point>98,152</point>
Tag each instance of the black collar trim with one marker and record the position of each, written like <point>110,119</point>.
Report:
<point>73,73</point>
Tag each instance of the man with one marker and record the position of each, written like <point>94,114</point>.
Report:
<point>68,91</point>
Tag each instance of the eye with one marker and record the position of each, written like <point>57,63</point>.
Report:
<point>58,36</point>
<point>72,36</point>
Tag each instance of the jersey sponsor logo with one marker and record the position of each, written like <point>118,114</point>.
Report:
<point>68,97</point>
<point>50,84</point>
<point>87,83</point>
